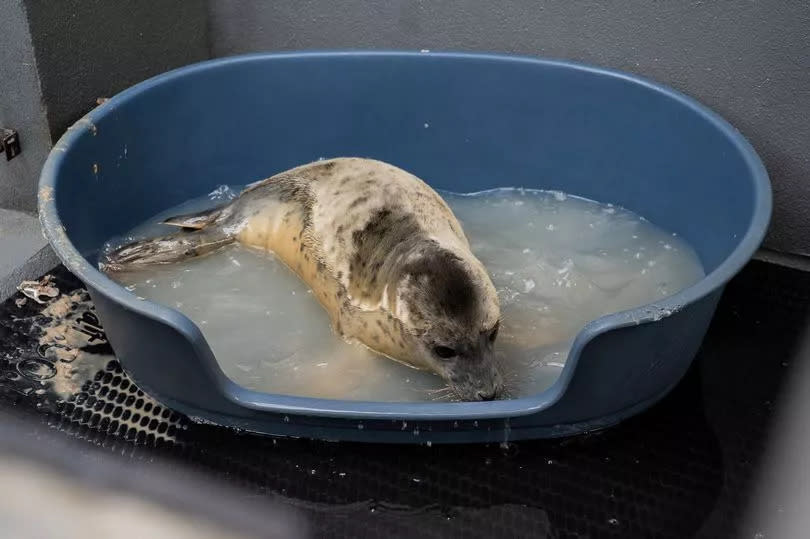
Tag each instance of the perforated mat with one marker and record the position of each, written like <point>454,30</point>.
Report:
<point>682,469</point>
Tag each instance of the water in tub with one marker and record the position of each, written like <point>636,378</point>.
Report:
<point>557,262</point>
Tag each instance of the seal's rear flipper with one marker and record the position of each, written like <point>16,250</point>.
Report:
<point>165,250</point>
<point>197,220</point>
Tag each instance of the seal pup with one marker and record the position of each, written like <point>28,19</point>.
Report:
<point>380,249</point>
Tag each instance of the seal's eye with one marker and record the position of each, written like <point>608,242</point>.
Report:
<point>494,333</point>
<point>444,352</point>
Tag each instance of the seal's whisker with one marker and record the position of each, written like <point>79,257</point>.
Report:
<point>443,394</point>
<point>445,389</point>
<point>446,397</point>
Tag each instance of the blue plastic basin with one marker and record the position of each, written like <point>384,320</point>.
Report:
<point>494,121</point>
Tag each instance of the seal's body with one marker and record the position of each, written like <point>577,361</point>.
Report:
<point>380,250</point>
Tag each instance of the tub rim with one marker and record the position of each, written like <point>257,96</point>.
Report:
<point>313,406</point>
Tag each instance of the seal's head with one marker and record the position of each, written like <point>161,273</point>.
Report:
<point>448,302</point>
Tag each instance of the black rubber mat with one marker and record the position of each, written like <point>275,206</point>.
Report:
<point>682,469</point>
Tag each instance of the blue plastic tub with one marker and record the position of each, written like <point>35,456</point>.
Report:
<point>493,121</point>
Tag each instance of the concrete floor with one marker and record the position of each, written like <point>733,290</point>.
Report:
<point>24,252</point>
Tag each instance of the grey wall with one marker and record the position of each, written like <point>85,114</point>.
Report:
<point>94,48</point>
<point>21,108</point>
<point>57,57</point>
<point>750,61</point>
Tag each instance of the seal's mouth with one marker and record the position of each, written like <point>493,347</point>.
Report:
<point>486,395</point>
<point>480,390</point>
<point>478,394</point>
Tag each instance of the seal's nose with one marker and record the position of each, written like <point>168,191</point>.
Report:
<point>486,395</point>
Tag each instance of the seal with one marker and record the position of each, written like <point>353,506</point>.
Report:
<point>380,249</point>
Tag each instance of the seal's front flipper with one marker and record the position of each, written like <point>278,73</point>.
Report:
<point>165,250</point>
<point>197,220</point>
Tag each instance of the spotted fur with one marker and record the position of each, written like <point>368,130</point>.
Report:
<point>384,255</point>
